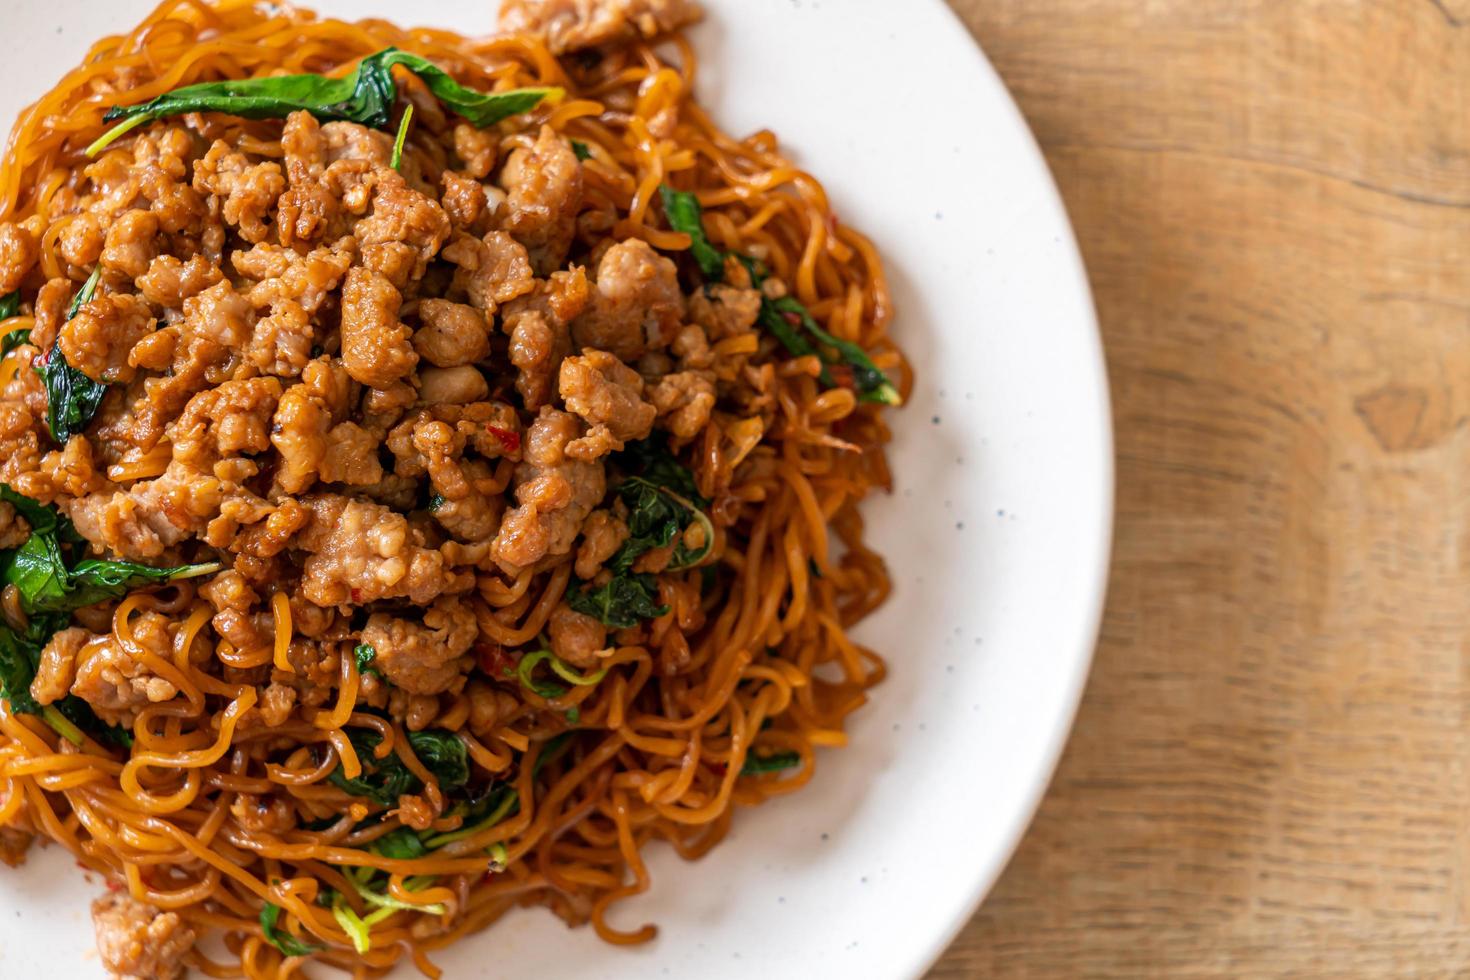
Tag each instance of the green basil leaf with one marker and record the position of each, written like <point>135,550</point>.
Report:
<point>654,518</point>
<point>364,654</point>
<point>12,340</point>
<point>581,149</point>
<point>42,519</point>
<point>402,843</point>
<point>625,601</point>
<point>784,316</point>
<point>662,500</point>
<point>478,108</point>
<point>80,714</point>
<point>72,398</point>
<point>365,95</point>
<point>651,459</point>
<point>92,580</point>
<point>19,658</point>
<point>288,944</point>
<point>685,215</point>
<point>775,762</point>
<point>47,584</point>
<point>38,571</point>
<point>384,780</point>
<point>444,755</point>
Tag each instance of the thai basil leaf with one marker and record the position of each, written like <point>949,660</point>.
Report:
<point>662,500</point>
<point>444,755</point>
<point>401,843</point>
<point>19,658</point>
<point>582,150</point>
<point>653,520</point>
<point>650,458</point>
<point>288,944</point>
<point>9,307</point>
<point>783,316</point>
<point>48,591</point>
<point>12,340</point>
<point>72,398</point>
<point>624,602</point>
<point>92,580</point>
<point>42,519</point>
<point>48,584</point>
<point>786,317</point>
<point>656,517</point>
<point>685,215</point>
<point>790,337</point>
<point>80,714</point>
<point>384,780</point>
<point>365,95</point>
<point>775,762</point>
<point>364,654</point>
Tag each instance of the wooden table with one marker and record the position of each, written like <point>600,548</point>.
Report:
<point>1269,773</point>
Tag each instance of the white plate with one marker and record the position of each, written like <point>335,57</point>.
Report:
<point>997,534</point>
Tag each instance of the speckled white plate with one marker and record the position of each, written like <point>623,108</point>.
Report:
<point>997,533</point>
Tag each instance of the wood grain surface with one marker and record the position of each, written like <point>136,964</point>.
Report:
<point>1268,776</point>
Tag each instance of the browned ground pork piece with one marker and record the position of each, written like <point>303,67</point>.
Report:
<point>451,334</point>
<point>58,667</point>
<point>138,941</point>
<point>19,250</point>
<point>304,416</point>
<point>401,218</point>
<point>246,191</point>
<point>491,270</point>
<point>685,401</point>
<point>576,637</point>
<point>115,682</point>
<point>571,25</point>
<point>609,396</point>
<point>636,305</point>
<point>376,346</point>
<point>99,338</point>
<point>150,516</point>
<point>360,552</point>
<point>428,658</point>
<point>555,493</point>
<point>543,192</point>
<point>169,281</point>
